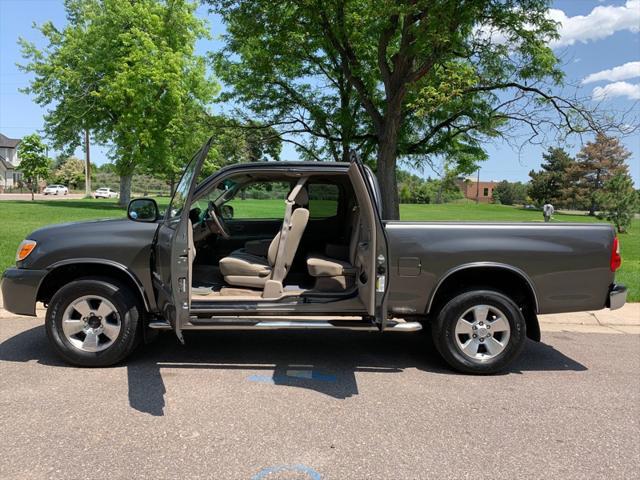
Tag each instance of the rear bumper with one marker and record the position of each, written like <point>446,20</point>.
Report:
<point>617,296</point>
<point>20,289</point>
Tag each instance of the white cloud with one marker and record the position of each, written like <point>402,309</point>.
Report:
<point>617,89</point>
<point>622,72</point>
<point>602,22</point>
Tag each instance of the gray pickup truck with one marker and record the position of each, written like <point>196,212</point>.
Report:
<point>320,257</point>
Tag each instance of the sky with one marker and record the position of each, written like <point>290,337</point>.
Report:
<point>599,48</point>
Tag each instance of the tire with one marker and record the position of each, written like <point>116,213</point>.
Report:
<point>475,342</point>
<point>114,336</point>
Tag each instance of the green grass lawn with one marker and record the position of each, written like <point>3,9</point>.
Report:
<point>19,218</point>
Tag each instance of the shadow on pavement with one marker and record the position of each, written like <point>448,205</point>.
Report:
<point>285,357</point>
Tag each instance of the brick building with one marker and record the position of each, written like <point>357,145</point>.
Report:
<point>471,189</point>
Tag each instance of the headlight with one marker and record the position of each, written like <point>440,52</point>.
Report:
<point>24,249</point>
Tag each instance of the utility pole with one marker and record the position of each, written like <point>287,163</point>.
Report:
<point>478,187</point>
<point>87,168</point>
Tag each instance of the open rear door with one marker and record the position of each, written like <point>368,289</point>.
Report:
<point>173,249</point>
<point>372,244</point>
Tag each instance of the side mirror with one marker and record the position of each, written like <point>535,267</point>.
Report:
<point>226,211</point>
<point>143,210</point>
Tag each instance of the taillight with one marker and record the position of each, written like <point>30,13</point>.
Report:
<point>616,259</point>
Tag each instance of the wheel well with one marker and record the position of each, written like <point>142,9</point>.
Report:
<point>64,274</point>
<point>503,280</point>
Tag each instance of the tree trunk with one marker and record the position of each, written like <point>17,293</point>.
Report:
<point>125,189</point>
<point>386,173</point>
<point>386,162</point>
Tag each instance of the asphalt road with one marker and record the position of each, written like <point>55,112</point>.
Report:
<point>330,405</point>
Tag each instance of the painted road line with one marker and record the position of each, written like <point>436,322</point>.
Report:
<point>309,472</point>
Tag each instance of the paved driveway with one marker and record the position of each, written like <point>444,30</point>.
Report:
<point>330,405</point>
<point>39,196</point>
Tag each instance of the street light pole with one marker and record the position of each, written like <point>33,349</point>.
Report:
<point>478,187</point>
<point>87,168</point>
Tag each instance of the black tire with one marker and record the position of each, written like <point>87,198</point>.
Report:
<point>444,335</point>
<point>128,310</point>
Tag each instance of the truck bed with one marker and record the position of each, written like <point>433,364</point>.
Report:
<point>566,264</point>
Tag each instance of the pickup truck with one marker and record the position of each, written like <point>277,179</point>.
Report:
<point>323,259</point>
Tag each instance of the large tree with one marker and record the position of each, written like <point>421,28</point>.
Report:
<point>396,78</point>
<point>597,162</point>
<point>34,163</point>
<point>551,184</point>
<point>127,72</point>
<point>70,171</point>
<point>619,200</point>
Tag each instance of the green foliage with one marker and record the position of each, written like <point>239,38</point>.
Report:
<point>413,189</point>
<point>551,184</point>
<point>510,193</point>
<point>597,163</point>
<point>70,172</point>
<point>127,72</point>
<point>390,78</point>
<point>619,200</point>
<point>34,163</point>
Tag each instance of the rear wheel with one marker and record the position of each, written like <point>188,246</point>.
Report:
<point>479,332</point>
<point>93,322</point>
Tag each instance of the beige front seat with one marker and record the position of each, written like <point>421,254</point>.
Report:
<point>244,269</point>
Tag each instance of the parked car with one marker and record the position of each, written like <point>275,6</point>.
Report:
<point>205,266</point>
<point>55,190</point>
<point>105,193</point>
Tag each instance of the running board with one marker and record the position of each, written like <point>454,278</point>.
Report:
<point>243,324</point>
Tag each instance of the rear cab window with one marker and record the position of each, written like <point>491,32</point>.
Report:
<point>324,200</point>
<point>261,201</point>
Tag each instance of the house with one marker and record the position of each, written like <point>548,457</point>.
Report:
<point>9,163</point>
<point>474,190</point>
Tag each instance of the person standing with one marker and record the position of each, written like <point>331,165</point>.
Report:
<point>547,211</point>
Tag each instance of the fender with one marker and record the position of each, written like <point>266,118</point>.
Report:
<point>110,263</point>
<point>503,266</point>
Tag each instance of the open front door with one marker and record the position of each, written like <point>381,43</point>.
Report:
<point>372,244</point>
<point>173,251</point>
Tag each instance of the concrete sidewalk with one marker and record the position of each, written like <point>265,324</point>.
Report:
<point>623,320</point>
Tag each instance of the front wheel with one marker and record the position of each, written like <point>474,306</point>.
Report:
<point>479,332</point>
<point>93,322</point>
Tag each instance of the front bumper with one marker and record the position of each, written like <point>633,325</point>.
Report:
<point>20,289</point>
<point>617,296</point>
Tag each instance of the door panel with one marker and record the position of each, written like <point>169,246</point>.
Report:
<point>172,259</point>
<point>372,246</point>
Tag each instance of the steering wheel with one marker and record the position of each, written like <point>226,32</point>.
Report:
<point>216,220</point>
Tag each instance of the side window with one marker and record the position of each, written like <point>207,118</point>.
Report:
<point>260,201</point>
<point>180,195</point>
<point>323,200</point>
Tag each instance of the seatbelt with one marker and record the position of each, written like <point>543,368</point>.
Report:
<point>280,269</point>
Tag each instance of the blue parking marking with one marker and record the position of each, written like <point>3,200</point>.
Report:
<point>310,472</point>
<point>322,377</point>
<point>261,379</point>
<point>297,374</point>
